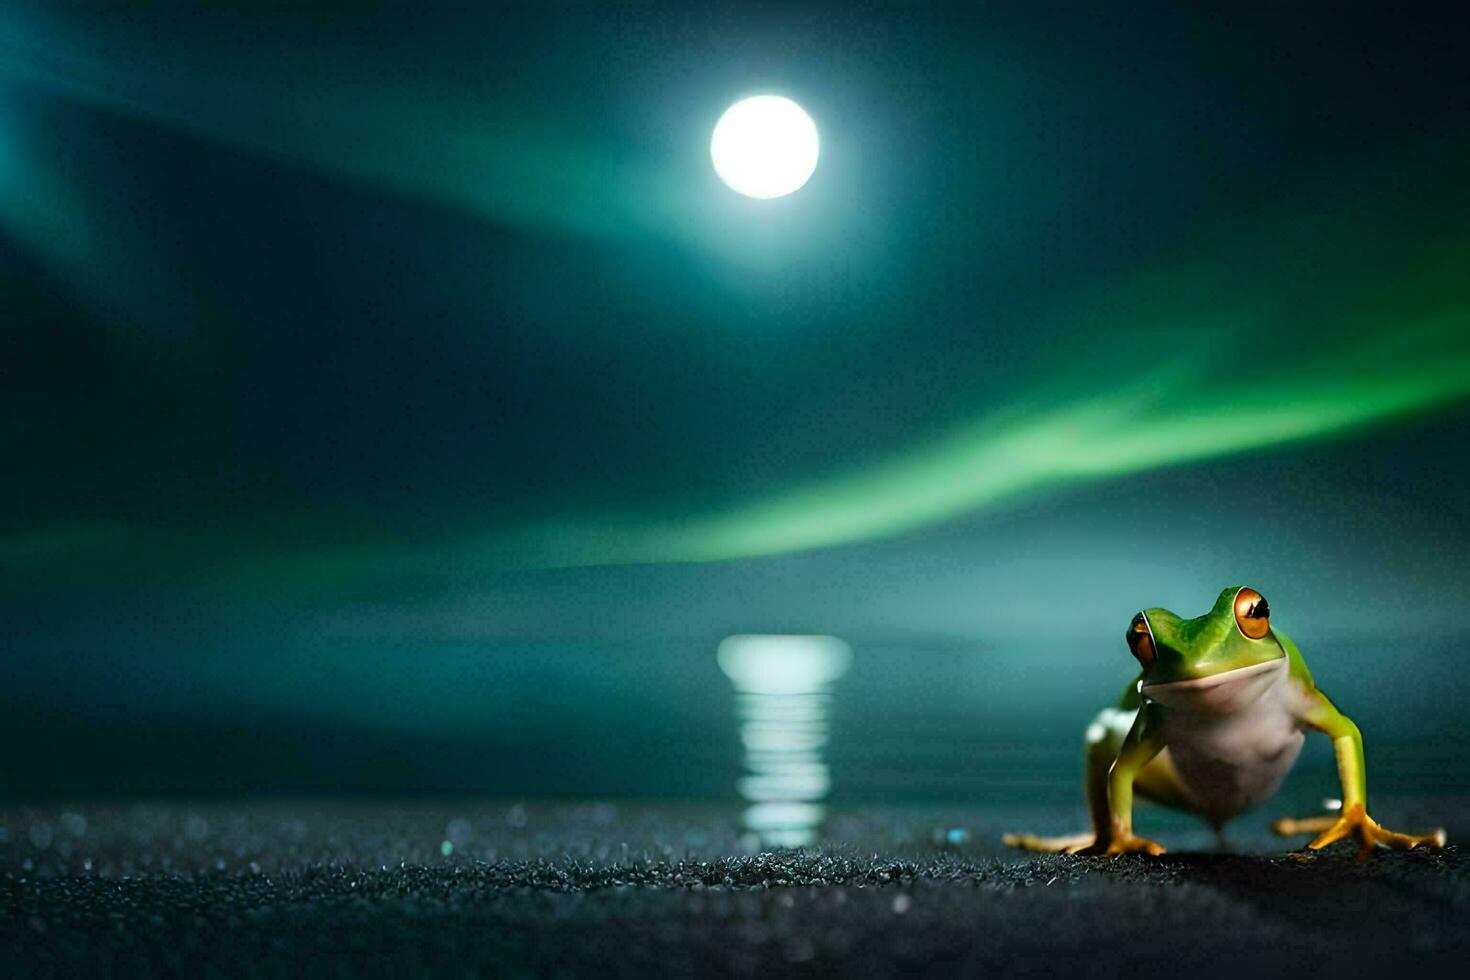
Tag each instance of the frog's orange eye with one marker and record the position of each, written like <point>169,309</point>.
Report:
<point>1252,613</point>
<point>1141,640</point>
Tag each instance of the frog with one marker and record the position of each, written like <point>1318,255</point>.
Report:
<point>1212,724</point>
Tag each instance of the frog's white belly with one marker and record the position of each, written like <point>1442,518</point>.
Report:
<point>1232,759</point>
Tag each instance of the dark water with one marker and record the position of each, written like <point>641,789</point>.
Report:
<point>908,722</point>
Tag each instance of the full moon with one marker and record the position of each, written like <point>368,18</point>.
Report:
<point>765,146</point>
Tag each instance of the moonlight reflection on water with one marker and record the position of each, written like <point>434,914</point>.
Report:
<point>782,695</point>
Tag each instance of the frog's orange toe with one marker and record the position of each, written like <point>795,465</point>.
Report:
<point>1355,824</point>
<point>1134,845</point>
<point>1050,845</point>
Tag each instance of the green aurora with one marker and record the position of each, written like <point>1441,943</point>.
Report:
<point>1346,308</point>
<point>1392,341</point>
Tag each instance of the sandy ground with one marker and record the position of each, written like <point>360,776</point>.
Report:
<point>465,888</point>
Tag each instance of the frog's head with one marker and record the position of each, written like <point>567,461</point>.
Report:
<point>1214,664</point>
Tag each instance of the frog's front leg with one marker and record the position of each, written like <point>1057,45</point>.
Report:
<point>1103,741</point>
<point>1115,833</point>
<point>1321,714</point>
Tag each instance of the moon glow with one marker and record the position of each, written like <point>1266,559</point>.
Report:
<point>765,146</point>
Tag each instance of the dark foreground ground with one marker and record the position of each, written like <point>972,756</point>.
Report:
<point>501,889</point>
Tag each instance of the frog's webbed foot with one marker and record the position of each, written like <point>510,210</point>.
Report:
<point>1355,824</point>
<point>1125,844</point>
<point>1070,844</point>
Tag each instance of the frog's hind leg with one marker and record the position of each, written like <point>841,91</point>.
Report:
<point>1051,845</point>
<point>1293,826</point>
<point>1104,737</point>
<point>1159,781</point>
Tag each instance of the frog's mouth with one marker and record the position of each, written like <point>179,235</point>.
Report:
<point>1219,694</point>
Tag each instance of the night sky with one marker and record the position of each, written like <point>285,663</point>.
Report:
<point>385,394</point>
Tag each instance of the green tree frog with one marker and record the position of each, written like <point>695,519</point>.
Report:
<point>1211,725</point>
